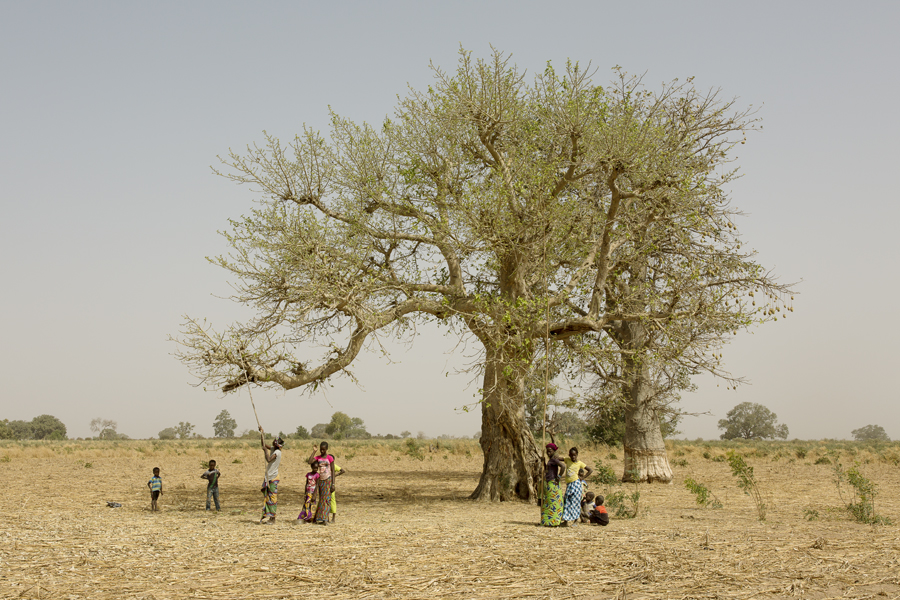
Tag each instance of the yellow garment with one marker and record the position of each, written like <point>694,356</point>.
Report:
<point>333,503</point>
<point>572,469</point>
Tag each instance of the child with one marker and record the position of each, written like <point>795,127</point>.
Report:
<point>155,485</point>
<point>311,503</point>
<point>211,475</point>
<point>587,505</point>
<point>599,515</point>
<point>573,498</point>
<point>337,471</point>
<point>324,489</point>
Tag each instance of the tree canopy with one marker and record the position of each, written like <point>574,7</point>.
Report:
<point>224,425</point>
<point>751,421</point>
<point>531,216</point>
<point>342,426</point>
<point>183,430</point>
<point>870,433</point>
<point>168,433</point>
<point>42,427</point>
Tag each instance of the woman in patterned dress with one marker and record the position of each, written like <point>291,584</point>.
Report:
<point>552,505</point>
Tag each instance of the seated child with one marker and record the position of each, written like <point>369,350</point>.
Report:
<point>587,505</point>
<point>599,516</point>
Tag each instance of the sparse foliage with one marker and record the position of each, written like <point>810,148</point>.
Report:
<point>183,430</point>
<point>861,505</point>
<point>604,474</point>
<point>751,421</point>
<point>702,494</point>
<point>747,481</point>
<point>98,425</point>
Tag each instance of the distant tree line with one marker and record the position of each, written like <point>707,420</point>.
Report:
<point>43,427</point>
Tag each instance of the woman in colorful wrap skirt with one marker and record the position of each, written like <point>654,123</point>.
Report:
<point>552,504</point>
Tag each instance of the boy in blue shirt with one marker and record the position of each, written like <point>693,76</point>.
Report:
<point>155,485</point>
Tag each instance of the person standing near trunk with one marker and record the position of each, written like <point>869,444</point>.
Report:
<point>551,504</point>
<point>270,484</point>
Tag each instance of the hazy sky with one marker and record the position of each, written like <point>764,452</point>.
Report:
<point>113,112</point>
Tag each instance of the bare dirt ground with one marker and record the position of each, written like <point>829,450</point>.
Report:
<point>406,530</point>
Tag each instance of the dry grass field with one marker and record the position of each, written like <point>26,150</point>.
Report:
<point>406,530</point>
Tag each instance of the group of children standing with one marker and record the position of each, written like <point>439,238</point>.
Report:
<point>211,475</point>
<point>319,506</point>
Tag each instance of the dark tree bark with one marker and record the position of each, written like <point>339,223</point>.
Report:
<point>512,462</point>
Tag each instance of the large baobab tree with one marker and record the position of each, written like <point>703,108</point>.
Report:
<point>492,205</point>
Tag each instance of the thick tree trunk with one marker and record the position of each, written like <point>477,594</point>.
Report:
<point>645,449</point>
<point>512,463</point>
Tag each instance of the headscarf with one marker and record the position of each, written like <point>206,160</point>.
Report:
<point>552,446</point>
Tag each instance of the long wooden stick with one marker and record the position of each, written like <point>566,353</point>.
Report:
<point>252,403</point>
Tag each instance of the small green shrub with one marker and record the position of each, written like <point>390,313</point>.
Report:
<point>616,502</point>
<point>680,462</point>
<point>822,460</point>
<point>612,456</point>
<point>862,505</point>
<point>810,514</point>
<point>800,453</point>
<point>702,495</point>
<point>413,449</point>
<point>88,465</point>
<point>623,499</point>
<point>237,461</point>
<point>604,474</point>
<point>706,455</point>
<point>747,482</point>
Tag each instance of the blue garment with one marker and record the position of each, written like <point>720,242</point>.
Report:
<point>572,506</point>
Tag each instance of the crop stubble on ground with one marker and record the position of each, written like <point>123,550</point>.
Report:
<point>405,530</point>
